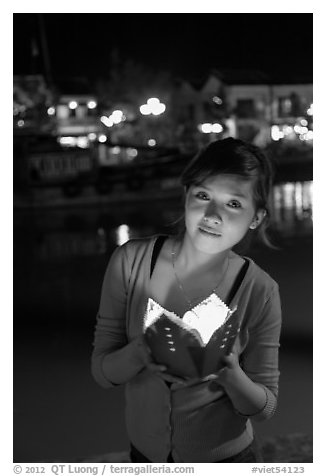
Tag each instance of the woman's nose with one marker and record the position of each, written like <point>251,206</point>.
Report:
<point>212,215</point>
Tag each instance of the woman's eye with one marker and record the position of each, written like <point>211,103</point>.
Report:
<point>234,204</point>
<point>202,196</point>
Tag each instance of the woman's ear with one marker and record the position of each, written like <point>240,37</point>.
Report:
<point>258,218</point>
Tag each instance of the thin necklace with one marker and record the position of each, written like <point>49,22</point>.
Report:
<point>189,301</point>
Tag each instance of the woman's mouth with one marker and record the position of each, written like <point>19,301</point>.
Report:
<point>209,231</point>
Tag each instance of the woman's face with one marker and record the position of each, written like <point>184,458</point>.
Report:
<point>219,212</point>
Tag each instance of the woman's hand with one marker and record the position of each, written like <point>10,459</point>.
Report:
<point>227,374</point>
<point>230,371</point>
<point>149,363</point>
<point>247,397</point>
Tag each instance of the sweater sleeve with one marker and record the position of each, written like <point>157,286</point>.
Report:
<point>114,360</point>
<point>260,358</point>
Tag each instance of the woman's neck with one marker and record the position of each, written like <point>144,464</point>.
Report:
<point>189,258</point>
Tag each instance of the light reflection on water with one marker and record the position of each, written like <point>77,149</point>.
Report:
<point>292,207</point>
<point>58,234</point>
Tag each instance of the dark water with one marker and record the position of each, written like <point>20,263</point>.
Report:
<point>60,256</point>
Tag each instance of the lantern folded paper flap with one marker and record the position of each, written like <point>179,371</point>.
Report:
<point>192,346</point>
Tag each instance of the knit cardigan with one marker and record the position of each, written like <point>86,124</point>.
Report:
<point>195,422</point>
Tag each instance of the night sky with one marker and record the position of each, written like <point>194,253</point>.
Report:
<point>186,44</point>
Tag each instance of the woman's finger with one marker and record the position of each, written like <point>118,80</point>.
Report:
<point>171,378</point>
<point>155,367</point>
<point>231,360</point>
<point>210,377</point>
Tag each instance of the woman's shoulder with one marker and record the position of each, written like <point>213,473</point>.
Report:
<point>257,276</point>
<point>141,242</point>
<point>136,247</point>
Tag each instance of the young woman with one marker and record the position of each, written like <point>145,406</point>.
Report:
<point>206,418</point>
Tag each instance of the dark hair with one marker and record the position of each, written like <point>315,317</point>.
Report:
<point>234,156</point>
